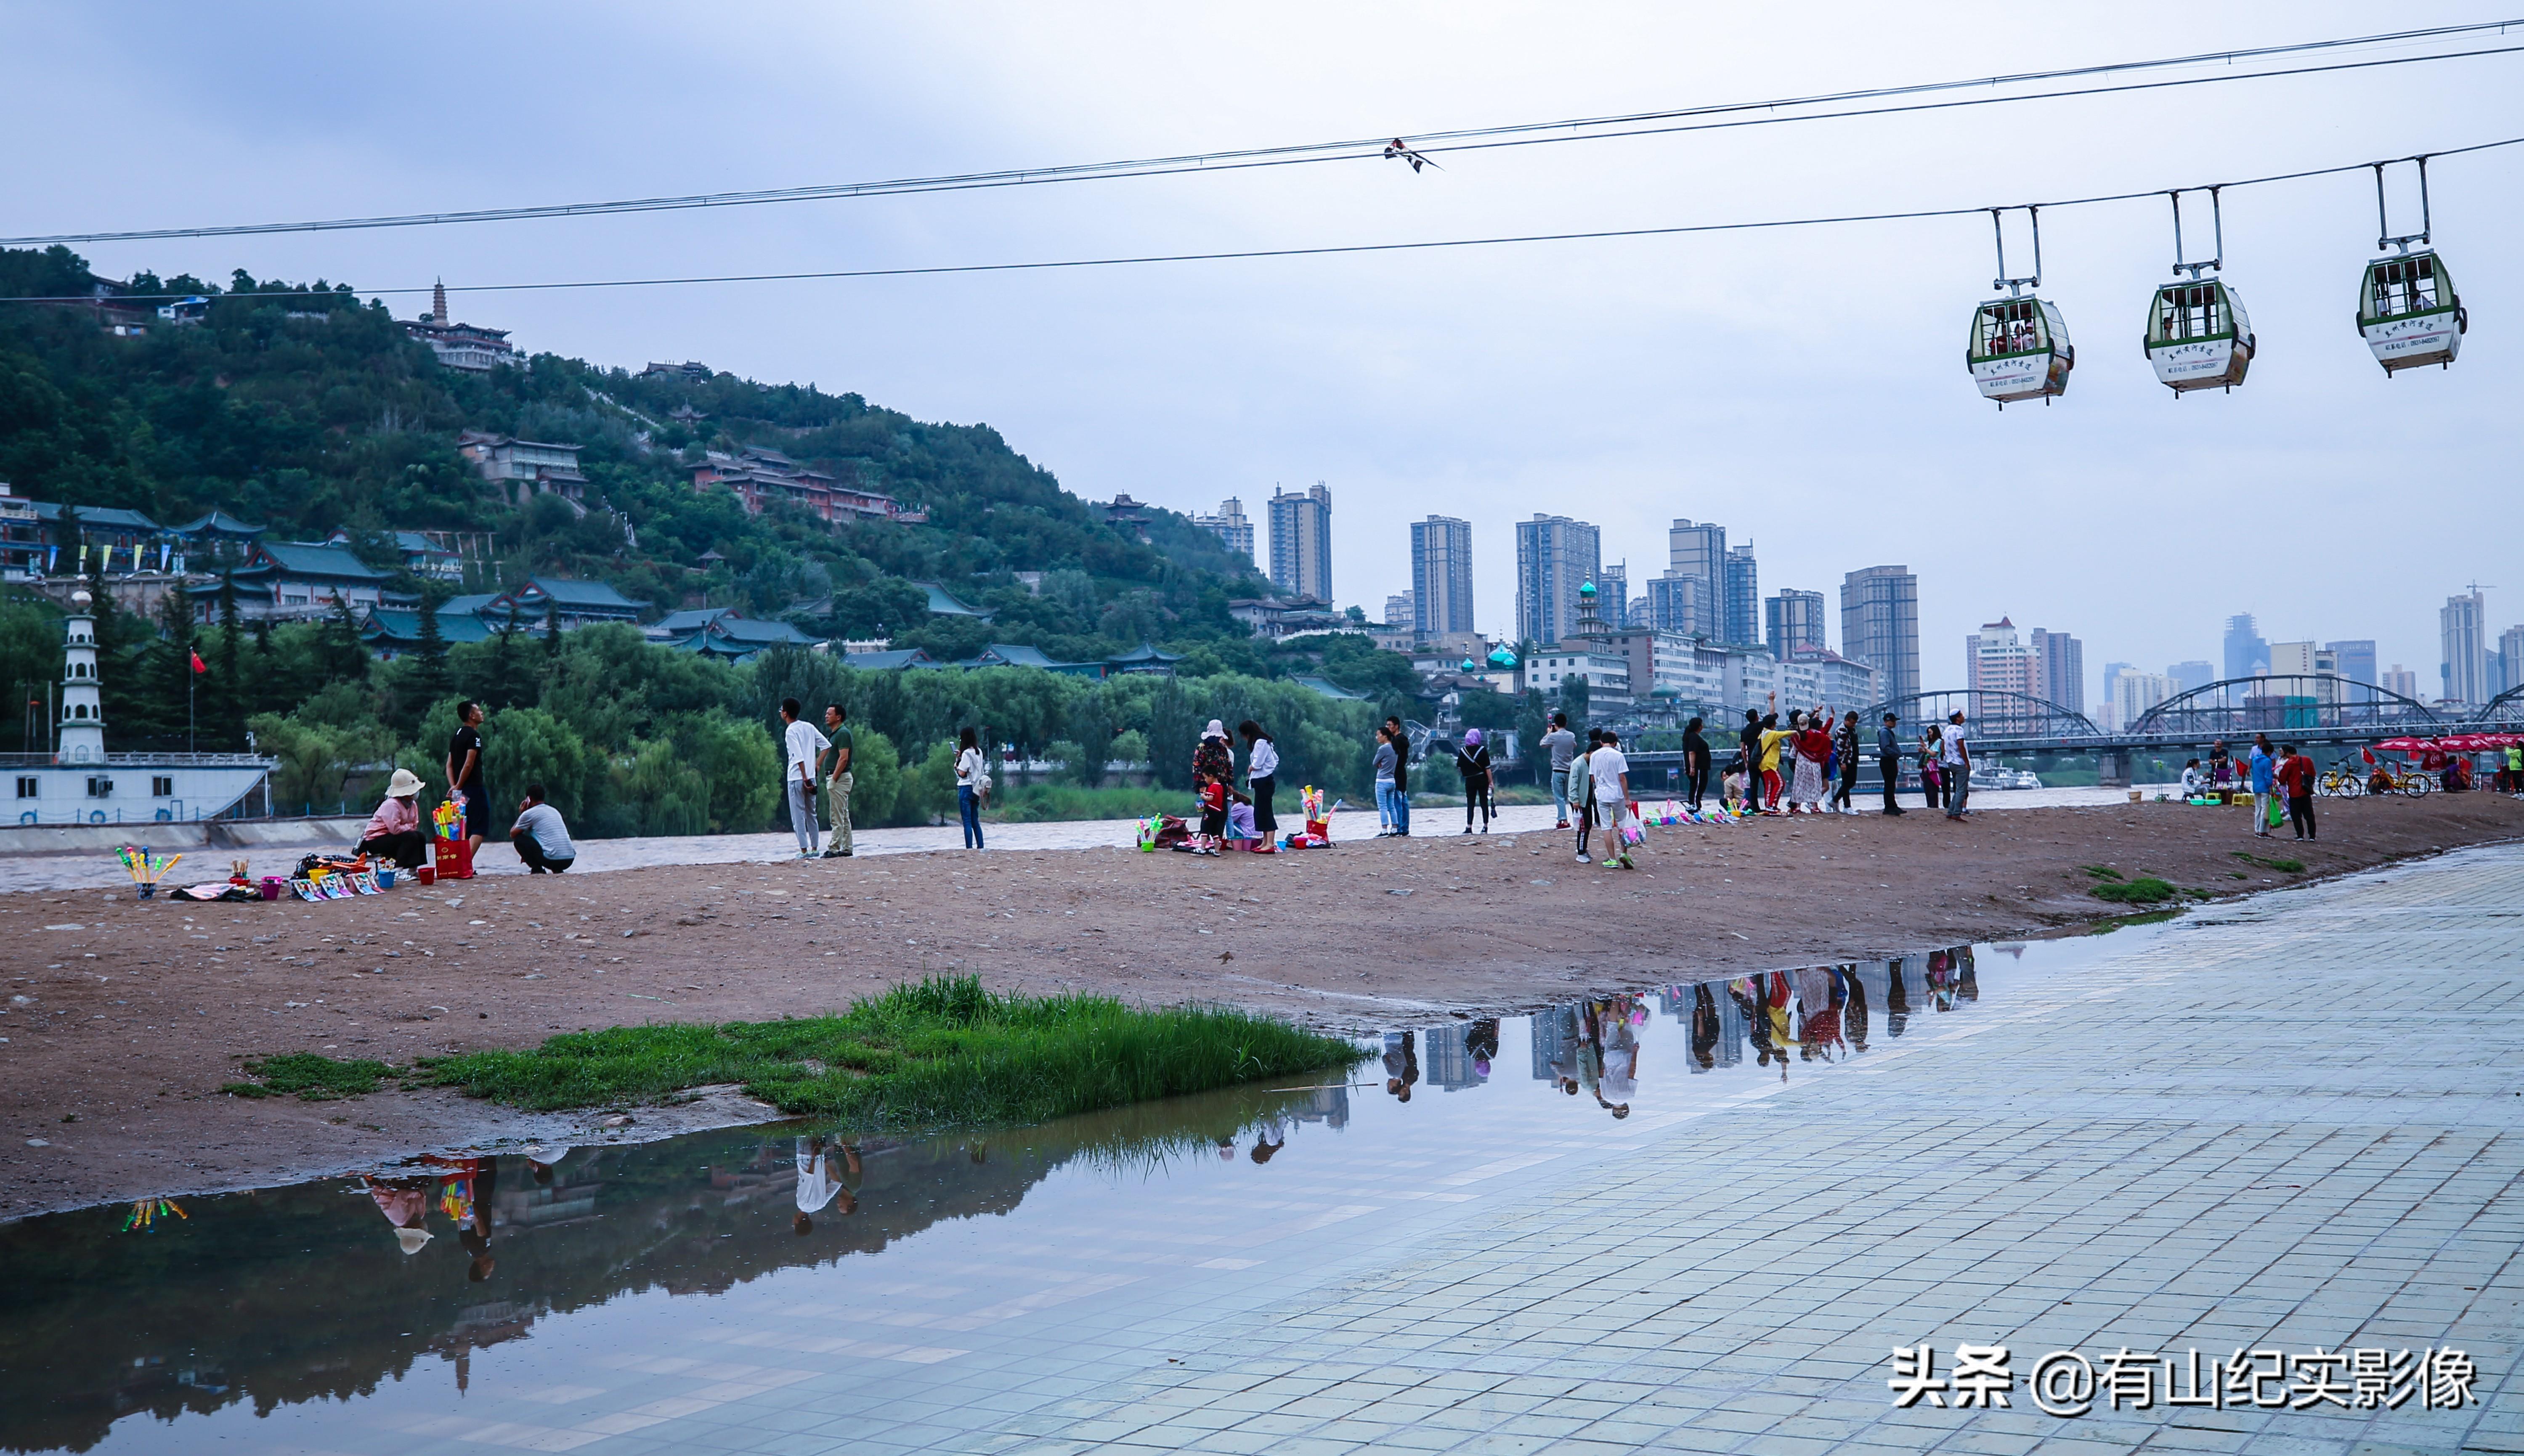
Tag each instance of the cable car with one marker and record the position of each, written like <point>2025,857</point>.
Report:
<point>2198,337</point>
<point>2019,350</point>
<point>2020,347</point>
<point>2410,312</point>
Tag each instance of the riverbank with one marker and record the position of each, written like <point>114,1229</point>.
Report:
<point>136,1013</point>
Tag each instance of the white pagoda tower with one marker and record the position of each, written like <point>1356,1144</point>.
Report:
<point>82,729</point>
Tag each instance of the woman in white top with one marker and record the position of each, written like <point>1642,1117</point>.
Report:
<point>1261,768</point>
<point>972,786</point>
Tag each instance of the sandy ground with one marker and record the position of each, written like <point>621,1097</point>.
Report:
<point>123,1018</point>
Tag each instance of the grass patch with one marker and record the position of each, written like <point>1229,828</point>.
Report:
<point>2146,890</point>
<point>944,1053</point>
<point>2283,866</point>
<point>313,1077</point>
<point>2102,872</point>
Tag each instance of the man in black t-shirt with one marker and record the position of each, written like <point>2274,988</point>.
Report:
<point>465,770</point>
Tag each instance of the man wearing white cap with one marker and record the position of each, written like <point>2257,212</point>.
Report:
<point>394,830</point>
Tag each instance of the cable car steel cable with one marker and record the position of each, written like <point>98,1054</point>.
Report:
<point>1359,149</point>
<point>1604,234</point>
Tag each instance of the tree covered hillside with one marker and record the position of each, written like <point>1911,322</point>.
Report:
<point>304,408</point>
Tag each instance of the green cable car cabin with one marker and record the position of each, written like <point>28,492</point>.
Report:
<point>2019,350</point>
<point>2410,312</point>
<point>2198,337</point>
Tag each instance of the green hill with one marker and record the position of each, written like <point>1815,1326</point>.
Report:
<point>300,406</point>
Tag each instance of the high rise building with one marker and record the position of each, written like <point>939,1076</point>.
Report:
<point>1399,612</point>
<point>2193,674</point>
<point>1678,604</point>
<point>2511,660</point>
<point>2134,693</point>
<point>2357,658</point>
<point>2400,680</point>
<point>1301,542</point>
<point>1697,553</point>
<point>1997,662</point>
<point>1880,626</point>
<point>1555,556</point>
<point>1613,594</point>
<point>2247,655</point>
<point>2106,714</point>
<point>1793,620</point>
<point>1442,575</point>
<point>2463,628</point>
<point>2063,668</point>
<point>1743,596</point>
<point>1234,528</point>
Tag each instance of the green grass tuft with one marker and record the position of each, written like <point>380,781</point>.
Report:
<point>944,1053</point>
<point>2146,890</point>
<point>314,1077</point>
<point>2283,866</point>
<point>2143,917</point>
<point>2102,872</point>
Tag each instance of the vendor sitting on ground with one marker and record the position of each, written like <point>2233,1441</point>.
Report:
<point>394,830</point>
<point>541,838</point>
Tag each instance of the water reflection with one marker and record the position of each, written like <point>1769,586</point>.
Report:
<point>346,1287</point>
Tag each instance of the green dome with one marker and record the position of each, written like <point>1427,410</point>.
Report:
<point>1471,666</point>
<point>1585,589</point>
<point>1501,657</point>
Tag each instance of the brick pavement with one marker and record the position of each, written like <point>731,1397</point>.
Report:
<point>2292,1124</point>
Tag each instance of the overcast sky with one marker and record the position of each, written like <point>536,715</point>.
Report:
<point>1807,389</point>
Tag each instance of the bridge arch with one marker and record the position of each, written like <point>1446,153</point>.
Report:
<point>2506,708</point>
<point>2283,702</point>
<point>1991,711</point>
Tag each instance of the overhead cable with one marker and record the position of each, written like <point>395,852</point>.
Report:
<point>1716,117</point>
<point>1320,251</point>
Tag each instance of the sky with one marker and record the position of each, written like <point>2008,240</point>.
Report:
<point>1806,387</point>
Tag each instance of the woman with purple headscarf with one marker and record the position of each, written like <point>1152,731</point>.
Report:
<point>1473,761</point>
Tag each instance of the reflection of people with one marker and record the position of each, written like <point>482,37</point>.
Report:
<point>1401,1063</point>
<point>394,830</point>
<point>1481,1044</point>
<point>541,838</point>
<point>541,1159</point>
<point>1896,998</point>
<point>1270,1135</point>
<point>1621,1052</point>
<point>404,1201</point>
<point>820,1182</point>
<point>464,1194</point>
<point>1704,1027</point>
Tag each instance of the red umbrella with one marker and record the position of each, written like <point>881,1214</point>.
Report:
<point>2406,745</point>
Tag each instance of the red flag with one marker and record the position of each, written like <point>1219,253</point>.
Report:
<point>198,664</point>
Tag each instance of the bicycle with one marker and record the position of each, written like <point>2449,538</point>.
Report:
<point>2340,782</point>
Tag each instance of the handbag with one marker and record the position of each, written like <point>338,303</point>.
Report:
<point>2277,815</point>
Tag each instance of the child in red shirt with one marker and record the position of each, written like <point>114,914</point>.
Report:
<point>1213,816</point>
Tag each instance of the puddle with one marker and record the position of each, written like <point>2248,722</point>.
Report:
<point>767,1278</point>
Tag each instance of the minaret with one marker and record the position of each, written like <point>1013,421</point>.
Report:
<point>82,737</point>
<point>438,302</point>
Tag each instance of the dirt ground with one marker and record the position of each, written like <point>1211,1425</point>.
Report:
<point>123,1018</point>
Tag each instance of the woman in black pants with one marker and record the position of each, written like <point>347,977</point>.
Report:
<point>1695,763</point>
<point>1261,768</point>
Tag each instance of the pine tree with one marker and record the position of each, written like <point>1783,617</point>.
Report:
<point>224,717</point>
<point>429,680</point>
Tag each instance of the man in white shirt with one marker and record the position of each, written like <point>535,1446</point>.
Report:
<point>1954,762</point>
<point>541,839</point>
<point>1612,774</point>
<point>803,745</point>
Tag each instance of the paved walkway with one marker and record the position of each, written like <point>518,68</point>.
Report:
<point>2294,1126</point>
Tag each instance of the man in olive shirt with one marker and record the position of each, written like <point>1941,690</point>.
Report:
<point>835,770</point>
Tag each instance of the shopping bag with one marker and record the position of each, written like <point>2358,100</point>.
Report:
<point>2277,815</point>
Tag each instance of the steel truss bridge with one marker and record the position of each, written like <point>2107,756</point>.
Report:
<point>2314,709</point>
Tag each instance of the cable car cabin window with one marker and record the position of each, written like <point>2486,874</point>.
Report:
<point>2012,326</point>
<point>2406,286</point>
<point>2191,311</point>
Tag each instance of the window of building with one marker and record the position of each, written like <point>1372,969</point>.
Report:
<point>28,785</point>
<point>162,786</point>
